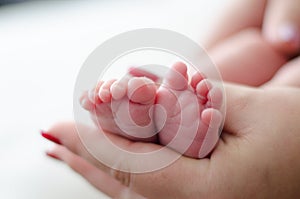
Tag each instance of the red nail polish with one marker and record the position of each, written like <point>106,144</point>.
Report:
<point>52,156</point>
<point>50,137</point>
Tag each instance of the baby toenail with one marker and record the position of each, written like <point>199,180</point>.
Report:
<point>91,95</point>
<point>117,91</point>
<point>104,95</point>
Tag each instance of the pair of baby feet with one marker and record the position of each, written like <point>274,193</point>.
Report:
<point>180,113</point>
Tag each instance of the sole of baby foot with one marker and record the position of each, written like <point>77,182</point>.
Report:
<point>125,108</point>
<point>190,112</point>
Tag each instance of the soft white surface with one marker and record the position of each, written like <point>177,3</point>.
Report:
<point>42,47</point>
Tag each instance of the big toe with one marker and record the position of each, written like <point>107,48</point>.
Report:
<point>215,98</point>
<point>141,90</point>
<point>212,120</point>
<point>176,78</point>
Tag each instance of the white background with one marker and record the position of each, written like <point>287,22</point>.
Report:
<point>42,47</point>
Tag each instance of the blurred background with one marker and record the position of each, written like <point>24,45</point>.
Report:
<point>42,47</point>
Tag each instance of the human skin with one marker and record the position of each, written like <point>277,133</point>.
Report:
<point>257,131</point>
<point>253,35</point>
<point>279,21</point>
<point>252,61</point>
<point>247,58</point>
<point>255,135</point>
<point>183,112</point>
<point>256,157</point>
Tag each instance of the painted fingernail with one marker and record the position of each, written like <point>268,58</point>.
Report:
<point>49,154</point>
<point>289,33</point>
<point>50,137</point>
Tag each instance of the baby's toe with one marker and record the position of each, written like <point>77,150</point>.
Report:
<point>177,78</point>
<point>211,117</point>
<point>119,88</point>
<point>212,121</point>
<point>141,90</point>
<point>202,90</point>
<point>85,102</point>
<point>215,98</point>
<point>196,78</point>
<point>104,91</point>
<point>93,93</point>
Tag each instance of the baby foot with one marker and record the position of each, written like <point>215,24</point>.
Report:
<point>188,114</point>
<point>124,107</point>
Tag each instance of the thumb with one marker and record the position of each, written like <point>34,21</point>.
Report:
<point>242,103</point>
<point>281,26</point>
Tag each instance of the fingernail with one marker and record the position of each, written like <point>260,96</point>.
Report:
<point>50,137</point>
<point>49,154</point>
<point>289,33</point>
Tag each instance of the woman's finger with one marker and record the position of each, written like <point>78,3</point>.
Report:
<point>149,184</point>
<point>98,178</point>
<point>66,134</point>
<point>288,75</point>
<point>281,25</point>
<point>236,16</point>
<point>246,58</point>
<point>143,183</point>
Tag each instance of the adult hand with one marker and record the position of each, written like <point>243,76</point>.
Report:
<point>257,155</point>
<point>281,25</point>
<point>239,44</point>
<point>279,21</point>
